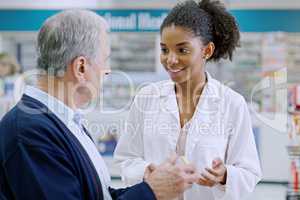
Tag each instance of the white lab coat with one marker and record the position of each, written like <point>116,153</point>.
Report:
<point>221,127</point>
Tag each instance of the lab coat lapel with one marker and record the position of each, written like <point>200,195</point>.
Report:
<point>207,116</point>
<point>169,101</point>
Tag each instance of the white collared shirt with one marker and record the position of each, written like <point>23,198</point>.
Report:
<point>66,115</point>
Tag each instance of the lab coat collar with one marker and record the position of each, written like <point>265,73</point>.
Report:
<point>212,88</point>
<point>212,92</point>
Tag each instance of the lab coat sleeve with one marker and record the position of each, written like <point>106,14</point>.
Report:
<point>129,153</point>
<point>242,162</point>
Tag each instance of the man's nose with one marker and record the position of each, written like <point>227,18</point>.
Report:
<point>106,71</point>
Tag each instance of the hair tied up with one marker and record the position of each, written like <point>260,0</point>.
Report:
<point>226,32</point>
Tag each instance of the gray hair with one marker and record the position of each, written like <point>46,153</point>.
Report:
<point>67,35</point>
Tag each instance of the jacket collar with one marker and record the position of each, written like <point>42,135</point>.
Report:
<point>62,111</point>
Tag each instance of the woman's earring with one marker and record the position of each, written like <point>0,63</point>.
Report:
<point>206,57</point>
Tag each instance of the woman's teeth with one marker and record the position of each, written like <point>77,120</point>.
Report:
<point>175,70</point>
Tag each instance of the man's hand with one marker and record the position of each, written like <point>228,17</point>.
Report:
<point>169,179</point>
<point>150,168</point>
<point>211,177</point>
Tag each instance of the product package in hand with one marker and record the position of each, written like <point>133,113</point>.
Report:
<point>183,160</point>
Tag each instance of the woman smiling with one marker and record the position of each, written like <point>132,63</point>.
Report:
<point>193,114</point>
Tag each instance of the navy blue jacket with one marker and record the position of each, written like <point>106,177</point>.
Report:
<point>41,159</point>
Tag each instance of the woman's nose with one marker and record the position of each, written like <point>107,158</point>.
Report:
<point>172,59</point>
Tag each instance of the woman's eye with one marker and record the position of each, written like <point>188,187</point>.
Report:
<point>184,50</point>
<point>164,50</point>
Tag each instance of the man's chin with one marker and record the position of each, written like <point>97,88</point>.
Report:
<point>86,98</point>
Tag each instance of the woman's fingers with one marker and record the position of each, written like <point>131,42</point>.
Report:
<point>209,176</point>
<point>205,182</point>
<point>173,158</point>
<point>217,162</point>
<point>213,172</point>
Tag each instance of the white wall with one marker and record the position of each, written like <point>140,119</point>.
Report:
<point>273,154</point>
<point>58,4</point>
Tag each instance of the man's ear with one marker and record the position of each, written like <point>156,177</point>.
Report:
<point>79,68</point>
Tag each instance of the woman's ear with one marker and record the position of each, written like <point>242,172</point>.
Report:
<point>209,50</point>
<point>79,68</point>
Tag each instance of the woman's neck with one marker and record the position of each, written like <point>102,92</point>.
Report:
<point>191,88</point>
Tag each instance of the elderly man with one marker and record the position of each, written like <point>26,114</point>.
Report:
<point>45,152</point>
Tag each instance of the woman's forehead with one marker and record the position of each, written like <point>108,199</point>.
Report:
<point>176,35</point>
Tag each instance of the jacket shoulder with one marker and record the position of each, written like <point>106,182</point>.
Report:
<point>34,129</point>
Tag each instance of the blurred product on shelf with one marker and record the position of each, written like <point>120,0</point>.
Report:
<point>293,191</point>
<point>297,97</point>
<point>294,101</point>
<point>11,82</point>
<point>293,147</point>
<point>133,52</point>
<point>107,143</point>
<point>294,132</point>
<point>294,97</point>
<point>294,114</point>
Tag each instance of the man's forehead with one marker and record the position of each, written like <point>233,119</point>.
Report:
<point>105,44</point>
<point>106,30</point>
<point>105,39</point>
<point>105,24</point>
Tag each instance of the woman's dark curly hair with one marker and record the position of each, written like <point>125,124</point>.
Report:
<point>210,20</point>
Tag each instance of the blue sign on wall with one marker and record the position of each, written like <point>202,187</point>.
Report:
<point>150,20</point>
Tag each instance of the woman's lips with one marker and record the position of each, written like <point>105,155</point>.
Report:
<point>174,72</point>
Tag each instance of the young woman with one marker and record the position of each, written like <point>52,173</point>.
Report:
<point>193,114</point>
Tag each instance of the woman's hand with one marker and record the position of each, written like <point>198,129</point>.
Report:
<point>215,175</point>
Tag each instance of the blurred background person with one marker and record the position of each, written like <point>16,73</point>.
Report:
<point>11,82</point>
